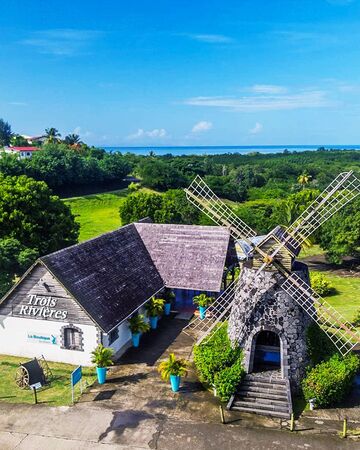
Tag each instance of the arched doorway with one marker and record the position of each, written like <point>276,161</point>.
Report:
<point>267,351</point>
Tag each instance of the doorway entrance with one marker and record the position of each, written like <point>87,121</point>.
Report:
<point>267,352</point>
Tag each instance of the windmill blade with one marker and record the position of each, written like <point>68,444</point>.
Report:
<point>217,312</point>
<point>201,196</point>
<point>341,332</point>
<point>344,188</point>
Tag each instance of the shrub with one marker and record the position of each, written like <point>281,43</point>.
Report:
<point>228,379</point>
<point>102,356</point>
<point>320,284</point>
<point>173,366</point>
<point>356,319</point>
<point>137,324</point>
<point>331,380</point>
<point>319,346</point>
<point>203,300</point>
<point>215,355</point>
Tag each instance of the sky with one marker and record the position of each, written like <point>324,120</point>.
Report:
<point>183,72</point>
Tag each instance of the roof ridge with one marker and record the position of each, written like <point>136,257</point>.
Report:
<point>78,244</point>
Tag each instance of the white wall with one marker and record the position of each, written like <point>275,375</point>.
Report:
<point>123,341</point>
<point>15,340</point>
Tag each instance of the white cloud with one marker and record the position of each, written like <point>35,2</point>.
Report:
<point>212,38</point>
<point>141,134</point>
<point>61,42</point>
<point>256,129</point>
<point>268,89</point>
<point>18,103</point>
<point>83,134</point>
<point>202,126</point>
<point>274,102</point>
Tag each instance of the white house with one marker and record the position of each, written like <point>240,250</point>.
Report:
<point>71,300</point>
<point>22,152</point>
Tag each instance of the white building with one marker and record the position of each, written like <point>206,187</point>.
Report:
<point>71,300</point>
<point>22,152</point>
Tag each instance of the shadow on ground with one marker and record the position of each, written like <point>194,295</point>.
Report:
<point>154,343</point>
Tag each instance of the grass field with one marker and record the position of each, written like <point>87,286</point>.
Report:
<point>347,297</point>
<point>97,213</point>
<point>56,394</point>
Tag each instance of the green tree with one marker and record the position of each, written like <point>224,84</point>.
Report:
<point>5,133</point>
<point>158,174</point>
<point>340,236</point>
<point>33,216</point>
<point>72,139</point>
<point>18,141</point>
<point>139,205</point>
<point>304,179</point>
<point>52,135</point>
<point>176,208</point>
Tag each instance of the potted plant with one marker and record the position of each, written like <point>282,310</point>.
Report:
<point>102,358</point>
<point>173,369</point>
<point>137,326</point>
<point>154,307</point>
<point>203,301</point>
<point>169,297</point>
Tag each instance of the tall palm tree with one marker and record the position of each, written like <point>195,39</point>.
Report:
<point>72,139</point>
<point>52,134</point>
<point>304,179</point>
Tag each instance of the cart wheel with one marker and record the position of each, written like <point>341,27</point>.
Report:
<point>22,377</point>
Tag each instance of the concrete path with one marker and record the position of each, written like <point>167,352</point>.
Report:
<point>136,410</point>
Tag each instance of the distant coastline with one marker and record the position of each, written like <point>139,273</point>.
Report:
<point>218,150</point>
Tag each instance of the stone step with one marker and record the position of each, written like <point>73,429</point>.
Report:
<point>261,389</point>
<point>260,400</point>
<point>261,406</point>
<point>269,413</point>
<point>265,395</point>
<point>267,380</point>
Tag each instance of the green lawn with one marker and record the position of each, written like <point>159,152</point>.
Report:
<point>56,394</point>
<point>98,213</point>
<point>347,297</point>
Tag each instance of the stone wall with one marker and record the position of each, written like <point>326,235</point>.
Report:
<point>260,304</point>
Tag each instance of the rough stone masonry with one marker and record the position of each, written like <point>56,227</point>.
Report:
<point>260,304</point>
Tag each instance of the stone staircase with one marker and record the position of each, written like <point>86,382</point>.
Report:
<point>263,395</point>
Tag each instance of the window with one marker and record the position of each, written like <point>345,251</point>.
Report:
<point>72,338</point>
<point>113,335</point>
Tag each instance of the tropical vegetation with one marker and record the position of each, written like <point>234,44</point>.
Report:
<point>154,307</point>
<point>102,356</point>
<point>173,366</point>
<point>137,324</point>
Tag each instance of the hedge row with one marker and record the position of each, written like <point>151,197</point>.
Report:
<point>329,381</point>
<point>218,363</point>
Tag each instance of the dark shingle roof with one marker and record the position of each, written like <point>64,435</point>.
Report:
<point>109,276</point>
<point>187,256</point>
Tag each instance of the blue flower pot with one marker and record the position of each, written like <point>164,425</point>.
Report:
<point>135,339</point>
<point>167,309</point>
<point>202,310</point>
<point>175,382</point>
<point>153,322</point>
<point>101,374</point>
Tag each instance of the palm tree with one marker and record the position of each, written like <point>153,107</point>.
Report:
<point>304,179</point>
<point>52,134</point>
<point>72,139</point>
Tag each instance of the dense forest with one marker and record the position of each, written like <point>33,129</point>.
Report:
<point>265,190</point>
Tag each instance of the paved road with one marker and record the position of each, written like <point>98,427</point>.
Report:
<point>84,427</point>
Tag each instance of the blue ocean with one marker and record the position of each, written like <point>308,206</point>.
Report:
<point>218,150</point>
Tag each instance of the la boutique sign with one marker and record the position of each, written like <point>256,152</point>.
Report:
<point>45,307</point>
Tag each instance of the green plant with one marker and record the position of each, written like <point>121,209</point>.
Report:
<point>319,347</point>
<point>102,356</point>
<point>133,187</point>
<point>331,380</point>
<point>173,366</point>
<point>169,295</point>
<point>215,354</point>
<point>320,284</point>
<point>203,300</point>
<point>227,380</point>
<point>137,324</point>
<point>356,319</point>
<point>154,307</point>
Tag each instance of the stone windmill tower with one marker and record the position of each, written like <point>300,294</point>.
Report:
<point>271,304</point>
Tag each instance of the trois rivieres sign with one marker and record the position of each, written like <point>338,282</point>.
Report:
<point>45,307</point>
